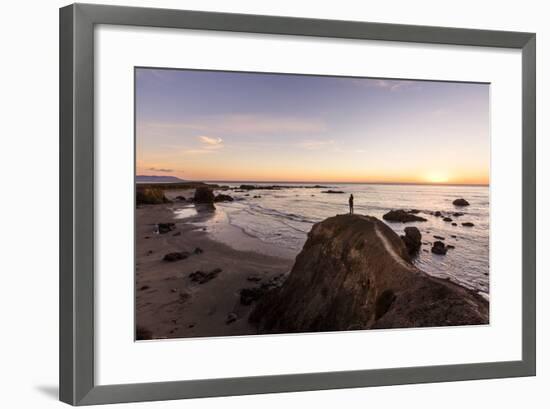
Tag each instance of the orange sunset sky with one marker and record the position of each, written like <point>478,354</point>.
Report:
<point>227,126</point>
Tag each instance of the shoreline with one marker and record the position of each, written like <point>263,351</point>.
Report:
<point>218,270</point>
<point>169,303</point>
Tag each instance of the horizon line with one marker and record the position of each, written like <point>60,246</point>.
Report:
<point>242,181</point>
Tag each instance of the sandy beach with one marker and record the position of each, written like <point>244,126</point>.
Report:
<point>169,303</point>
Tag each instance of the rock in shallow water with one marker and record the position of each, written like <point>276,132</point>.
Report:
<point>223,198</point>
<point>461,202</point>
<point>439,248</point>
<point>402,216</point>
<point>412,239</point>
<point>355,272</point>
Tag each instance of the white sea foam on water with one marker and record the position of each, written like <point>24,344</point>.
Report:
<point>284,217</point>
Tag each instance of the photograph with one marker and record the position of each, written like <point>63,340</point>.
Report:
<point>283,203</point>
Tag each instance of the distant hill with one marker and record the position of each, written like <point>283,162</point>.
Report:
<point>157,179</point>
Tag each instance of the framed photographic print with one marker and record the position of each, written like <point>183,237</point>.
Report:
<point>254,204</point>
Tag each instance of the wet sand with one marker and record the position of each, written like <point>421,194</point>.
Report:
<point>169,304</point>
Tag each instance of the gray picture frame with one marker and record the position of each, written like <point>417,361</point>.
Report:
<point>77,384</point>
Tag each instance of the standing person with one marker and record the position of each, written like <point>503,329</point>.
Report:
<point>351,204</point>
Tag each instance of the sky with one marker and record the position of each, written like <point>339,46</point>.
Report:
<point>236,126</point>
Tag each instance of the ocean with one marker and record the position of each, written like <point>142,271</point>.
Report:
<point>282,218</point>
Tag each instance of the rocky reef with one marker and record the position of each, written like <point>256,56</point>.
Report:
<point>354,272</point>
<point>403,216</point>
<point>149,195</point>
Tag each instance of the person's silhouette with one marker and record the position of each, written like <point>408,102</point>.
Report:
<point>351,204</point>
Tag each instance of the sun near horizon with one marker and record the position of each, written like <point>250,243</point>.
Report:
<point>209,125</point>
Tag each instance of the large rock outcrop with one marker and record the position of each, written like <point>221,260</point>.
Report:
<point>354,272</point>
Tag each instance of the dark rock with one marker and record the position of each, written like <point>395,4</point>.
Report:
<point>249,295</point>
<point>454,224</point>
<point>453,236</point>
<point>176,256</point>
<point>144,287</point>
<point>201,277</point>
<point>402,216</point>
<point>223,198</point>
<point>257,197</point>
<point>458,214</point>
<point>450,246</point>
<point>461,202</point>
<point>413,211</point>
<point>468,224</point>
<point>204,195</point>
<point>150,252</point>
<point>198,250</point>
<point>332,191</point>
<point>439,237</point>
<point>150,196</point>
<point>439,248</point>
<point>412,239</point>
<point>181,198</point>
<point>437,213</point>
<point>447,219</point>
<point>164,228</point>
<point>354,272</point>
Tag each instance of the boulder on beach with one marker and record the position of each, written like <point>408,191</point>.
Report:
<point>402,216</point>
<point>164,228</point>
<point>354,272</point>
<point>204,199</point>
<point>461,202</point>
<point>176,256</point>
<point>468,224</point>
<point>203,194</point>
<point>202,277</point>
<point>412,239</point>
<point>447,219</point>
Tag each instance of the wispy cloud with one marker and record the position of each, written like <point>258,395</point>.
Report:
<point>211,142</point>
<point>161,170</point>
